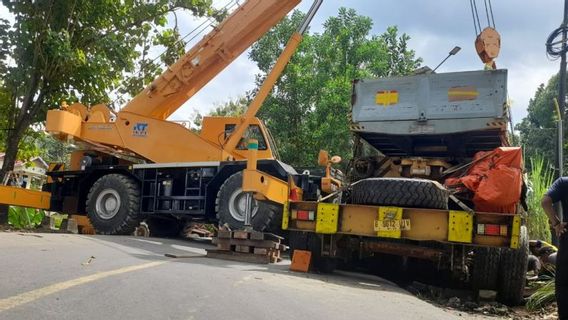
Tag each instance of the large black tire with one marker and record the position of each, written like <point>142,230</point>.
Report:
<point>485,269</point>
<point>230,206</point>
<point>403,192</point>
<point>113,203</point>
<point>513,272</point>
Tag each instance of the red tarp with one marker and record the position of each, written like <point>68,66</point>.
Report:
<point>495,178</point>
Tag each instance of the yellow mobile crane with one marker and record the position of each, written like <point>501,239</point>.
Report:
<point>135,165</point>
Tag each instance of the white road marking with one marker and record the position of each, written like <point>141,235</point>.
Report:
<point>29,296</point>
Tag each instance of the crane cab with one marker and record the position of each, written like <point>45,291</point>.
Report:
<point>218,129</point>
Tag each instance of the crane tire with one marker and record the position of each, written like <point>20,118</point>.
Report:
<point>230,206</point>
<point>112,204</point>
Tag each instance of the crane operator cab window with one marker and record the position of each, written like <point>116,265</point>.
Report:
<point>252,132</point>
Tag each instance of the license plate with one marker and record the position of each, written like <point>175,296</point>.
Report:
<point>392,225</point>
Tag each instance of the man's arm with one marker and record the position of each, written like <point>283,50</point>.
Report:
<point>546,203</point>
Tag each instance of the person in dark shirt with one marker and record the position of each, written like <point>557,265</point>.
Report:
<point>558,192</point>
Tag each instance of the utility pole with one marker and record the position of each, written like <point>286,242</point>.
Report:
<point>562,87</point>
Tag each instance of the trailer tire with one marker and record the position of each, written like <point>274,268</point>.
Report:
<point>230,206</point>
<point>112,204</point>
<point>403,192</point>
<point>513,271</point>
<point>485,269</point>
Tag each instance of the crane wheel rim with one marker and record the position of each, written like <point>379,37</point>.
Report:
<point>237,203</point>
<point>107,204</point>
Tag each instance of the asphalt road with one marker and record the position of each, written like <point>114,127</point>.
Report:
<point>63,276</point>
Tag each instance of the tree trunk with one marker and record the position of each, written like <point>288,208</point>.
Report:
<point>12,143</point>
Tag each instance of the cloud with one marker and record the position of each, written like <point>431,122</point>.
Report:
<point>435,27</point>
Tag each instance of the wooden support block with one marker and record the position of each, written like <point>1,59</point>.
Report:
<point>86,230</point>
<point>255,243</point>
<point>301,260</point>
<point>224,234</point>
<point>261,251</point>
<point>243,249</point>
<point>236,256</point>
<point>247,242</point>
<point>255,235</point>
<point>241,234</point>
<point>177,256</point>
<point>224,245</point>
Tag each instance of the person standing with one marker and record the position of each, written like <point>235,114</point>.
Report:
<point>558,192</point>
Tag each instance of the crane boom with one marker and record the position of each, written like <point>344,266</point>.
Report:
<point>208,57</point>
<point>140,129</point>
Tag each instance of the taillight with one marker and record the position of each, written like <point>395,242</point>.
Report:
<point>303,215</point>
<point>492,229</point>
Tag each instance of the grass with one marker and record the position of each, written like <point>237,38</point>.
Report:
<point>540,179</point>
<point>543,296</point>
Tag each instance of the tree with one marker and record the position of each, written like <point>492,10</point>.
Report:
<point>310,104</point>
<point>538,129</point>
<point>78,50</point>
<point>232,108</point>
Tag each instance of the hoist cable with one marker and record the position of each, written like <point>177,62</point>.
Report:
<point>477,15</point>
<point>473,17</point>
<point>487,13</point>
<point>492,17</point>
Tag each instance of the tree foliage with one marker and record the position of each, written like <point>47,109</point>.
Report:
<point>538,133</point>
<point>310,104</point>
<point>232,108</point>
<point>79,50</point>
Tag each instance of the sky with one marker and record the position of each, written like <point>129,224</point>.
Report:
<point>435,27</point>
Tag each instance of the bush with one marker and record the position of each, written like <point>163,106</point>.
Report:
<point>543,296</point>
<point>25,218</point>
<point>540,179</point>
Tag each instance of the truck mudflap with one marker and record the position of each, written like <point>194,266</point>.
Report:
<point>447,226</point>
<point>21,197</point>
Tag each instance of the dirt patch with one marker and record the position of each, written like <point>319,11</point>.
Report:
<point>549,312</point>
<point>464,301</point>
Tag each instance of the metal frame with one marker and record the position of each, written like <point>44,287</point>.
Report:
<point>444,226</point>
